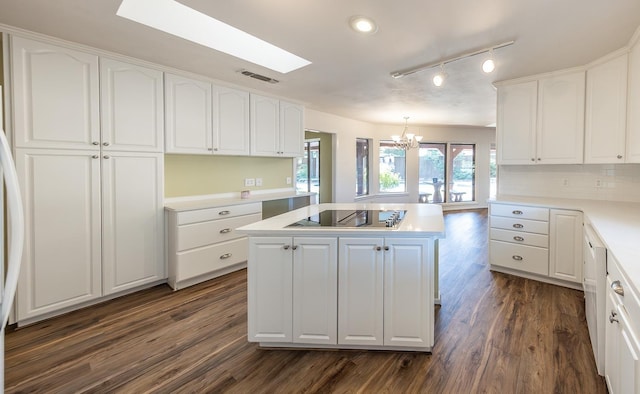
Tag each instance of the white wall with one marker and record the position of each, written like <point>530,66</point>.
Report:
<point>347,130</point>
<point>618,182</point>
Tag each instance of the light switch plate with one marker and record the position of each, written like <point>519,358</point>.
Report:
<point>249,182</point>
<point>258,181</point>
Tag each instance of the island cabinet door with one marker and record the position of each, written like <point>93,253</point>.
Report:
<point>408,294</point>
<point>315,290</point>
<point>360,287</point>
<point>269,289</point>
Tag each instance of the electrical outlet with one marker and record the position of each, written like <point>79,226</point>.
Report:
<point>258,181</point>
<point>249,182</point>
<point>288,180</point>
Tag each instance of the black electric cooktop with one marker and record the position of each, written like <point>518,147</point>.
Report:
<point>352,218</point>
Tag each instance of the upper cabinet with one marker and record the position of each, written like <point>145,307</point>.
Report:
<point>633,105</point>
<point>606,111</point>
<point>132,107</point>
<point>230,121</point>
<point>277,127</point>
<point>42,74</point>
<point>542,121</point>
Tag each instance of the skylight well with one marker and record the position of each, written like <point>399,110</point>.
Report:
<point>185,22</point>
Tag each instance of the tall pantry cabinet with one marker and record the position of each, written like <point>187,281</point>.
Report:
<point>88,135</point>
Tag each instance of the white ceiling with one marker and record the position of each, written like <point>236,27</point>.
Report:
<point>350,72</point>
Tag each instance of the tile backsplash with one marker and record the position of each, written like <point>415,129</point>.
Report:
<point>611,182</point>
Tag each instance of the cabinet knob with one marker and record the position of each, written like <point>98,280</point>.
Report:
<point>95,156</point>
<point>518,225</point>
<point>286,247</point>
<point>106,157</point>
<point>105,144</point>
<point>516,257</point>
<point>209,149</point>
<point>617,287</point>
<point>215,149</point>
<point>612,317</point>
<point>225,231</point>
<point>619,156</point>
<point>386,248</point>
<point>539,159</point>
<point>518,238</point>
<point>532,159</point>
<point>294,247</point>
<point>225,256</point>
<point>378,248</point>
<point>95,143</point>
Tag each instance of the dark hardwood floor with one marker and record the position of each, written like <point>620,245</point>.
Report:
<point>494,333</point>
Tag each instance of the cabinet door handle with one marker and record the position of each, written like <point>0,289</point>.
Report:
<point>386,248</point>
<point>518,225</point>
<point>517,212</point>
<point>532,159</point>
<point>617,288</point>
<point>95,143</point>
<point>224,213</point>
<point>619,156</point>
<point>378,248</point>
<point>225,231</point>
<point>209,149</point>
<point>612,318</point>
<point>294,247</point>
<point>95,156</point>
<point>286,247</point>
<point>225,256</point>
<point>106,157</point>
<point>105,143</point>
<point>516,257</point>
<point>517,238</point>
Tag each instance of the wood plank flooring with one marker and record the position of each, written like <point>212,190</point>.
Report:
<point>495,333</point>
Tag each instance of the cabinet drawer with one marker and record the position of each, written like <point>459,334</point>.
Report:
<point>203,215</point>
<point>520,211</point>
<point>205,233</point>
<point>520,257</point>
<point>519,237</point>
<point>629,301</point>
<point>522,225</point>
<point>210,258</point>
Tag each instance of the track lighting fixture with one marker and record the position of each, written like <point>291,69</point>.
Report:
<point>438,79</point>
<point>489,65</point>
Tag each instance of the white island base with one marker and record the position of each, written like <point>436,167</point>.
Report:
<point>344,288</point>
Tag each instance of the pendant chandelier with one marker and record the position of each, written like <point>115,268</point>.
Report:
<point>407,140</point>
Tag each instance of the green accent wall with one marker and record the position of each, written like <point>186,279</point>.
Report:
<point>326,164</point>
<point>188,175</point>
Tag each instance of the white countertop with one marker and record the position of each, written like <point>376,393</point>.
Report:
<point>189,204</point>
<point>616,223</point>
<point>419,220</point>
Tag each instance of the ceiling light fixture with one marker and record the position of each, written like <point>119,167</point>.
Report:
<point>489,65</point>
<point>402,73</point>
<point>438,79</point>
<point>362,24</point>
<point>185,22</point>
<point>407,140</point>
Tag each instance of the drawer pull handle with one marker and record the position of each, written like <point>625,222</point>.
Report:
<point>518,225</point>
<point>517,212</point>
<point>617,288</point>
<point>612,318</point>
<point>224,212</point>
<point>225,256</point>
<point>225,231</point>
<point>518,238</point>
<point>516,257</point>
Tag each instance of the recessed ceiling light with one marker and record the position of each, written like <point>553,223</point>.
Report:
<point>362,24</point>
<point>179,20</point>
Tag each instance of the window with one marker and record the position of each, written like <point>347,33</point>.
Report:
<point>362,167</point>
<point>308,168</point>
<point>447,172</point>
<point>392,168</point>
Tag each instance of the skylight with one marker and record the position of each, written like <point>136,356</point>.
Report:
<point>185,22</point>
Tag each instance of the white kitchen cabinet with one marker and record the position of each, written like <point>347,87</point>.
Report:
<point>62,251</point>
<point>361,286</point>
<point>633,106</point>
<point>542,121</point>
<point>516,123</point>
<point>132,107</point>
<point>231,113</point>
<point>560,132</point>
<point>132,220</point>
<point>565,245</point>
<point>606,111</point>
<point>622,347</point>
<point>277,127</point>
<point>56,96</point>
<point>281,311</point>
<point>188,118</point>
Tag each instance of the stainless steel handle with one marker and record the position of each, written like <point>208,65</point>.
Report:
<point>539,159</point>
<point>286,247</point>
<point>386,248</point>
<point>532,159</point>
<point>619,156</point>
<point>517,238</point>
<point>106,157</point>
<point>294,247</point>
<point>225,256</point>
<point>518,225</point>
<point>612,317</point>
<point>224,212</point>
<point>516,257</point>
<point>517,212</point>
<point>225,231</point>
<point>209,149</point>
<point>617,287</point>
<point>95,143</point>
<point>95,156</point>
<point>378,248</point>
<point>105,144</point>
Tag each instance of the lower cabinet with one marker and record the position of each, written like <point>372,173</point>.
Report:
<point>363,292</point>
<point>565,245</point>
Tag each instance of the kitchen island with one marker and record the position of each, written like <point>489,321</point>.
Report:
<point>345,276</point>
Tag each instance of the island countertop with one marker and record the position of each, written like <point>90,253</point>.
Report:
<point>419,220</point>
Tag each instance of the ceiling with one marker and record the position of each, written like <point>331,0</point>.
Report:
<point>350,73</point>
